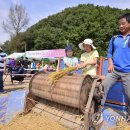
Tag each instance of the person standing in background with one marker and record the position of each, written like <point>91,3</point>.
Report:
<point>33,66</point>
<point>12,63</point>
<point>26,63</point>
<point>2,69</point>
<point>22,61</point>
<point>39,65</point>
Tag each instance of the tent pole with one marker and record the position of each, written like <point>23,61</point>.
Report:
<point>58,65</point>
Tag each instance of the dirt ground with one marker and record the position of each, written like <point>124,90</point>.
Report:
<point>33,121</point>
<point>30,121</point>
<point>16,85</point>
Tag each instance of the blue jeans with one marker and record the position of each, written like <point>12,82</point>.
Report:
<point>1,81</point>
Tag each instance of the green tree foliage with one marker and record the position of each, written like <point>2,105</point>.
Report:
<point>73,25</point>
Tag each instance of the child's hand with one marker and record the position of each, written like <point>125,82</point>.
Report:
<point>84,65</point>
<point>77,67</point>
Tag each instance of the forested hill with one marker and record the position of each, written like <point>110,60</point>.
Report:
<point>71,25</point>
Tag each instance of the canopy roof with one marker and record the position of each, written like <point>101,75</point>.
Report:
<point>39,54</point>
<point>16,55</point>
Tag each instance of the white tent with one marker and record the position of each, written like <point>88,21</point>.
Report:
<point>15,55</point>
<point>39,54</point>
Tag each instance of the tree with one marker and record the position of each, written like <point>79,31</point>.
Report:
<point>17,20</point>
<point>73,24</point>
<point>5,46</point>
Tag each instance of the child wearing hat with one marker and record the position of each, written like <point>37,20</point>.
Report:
<point>89,57</point>
<point>69,60</point>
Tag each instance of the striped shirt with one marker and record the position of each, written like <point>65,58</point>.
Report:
<point>2,59</point>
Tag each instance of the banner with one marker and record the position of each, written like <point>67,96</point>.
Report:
<point>46,53</point>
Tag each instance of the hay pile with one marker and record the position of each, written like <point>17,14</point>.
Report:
<point>121,126</point>
<point>32,121</point>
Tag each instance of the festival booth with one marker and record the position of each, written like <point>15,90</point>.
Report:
<point>52,55</point>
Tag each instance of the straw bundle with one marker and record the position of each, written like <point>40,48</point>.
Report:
<point>32,121</point>
<point>53,77</point>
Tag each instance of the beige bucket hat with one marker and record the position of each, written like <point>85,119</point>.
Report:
<point>87,42</point>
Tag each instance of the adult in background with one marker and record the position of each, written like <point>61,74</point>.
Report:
<point>2,69</point>
<point>119,58</point>
<point>22,61</point>
<point>19,71</point>
<point>51,66</point>
<point>33,66</point>
<point>12,63</point>
<point>26,63</point>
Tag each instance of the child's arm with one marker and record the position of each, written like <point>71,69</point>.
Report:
<point>84,64</point>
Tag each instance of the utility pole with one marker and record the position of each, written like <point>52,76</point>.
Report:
<point>67,41</point>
